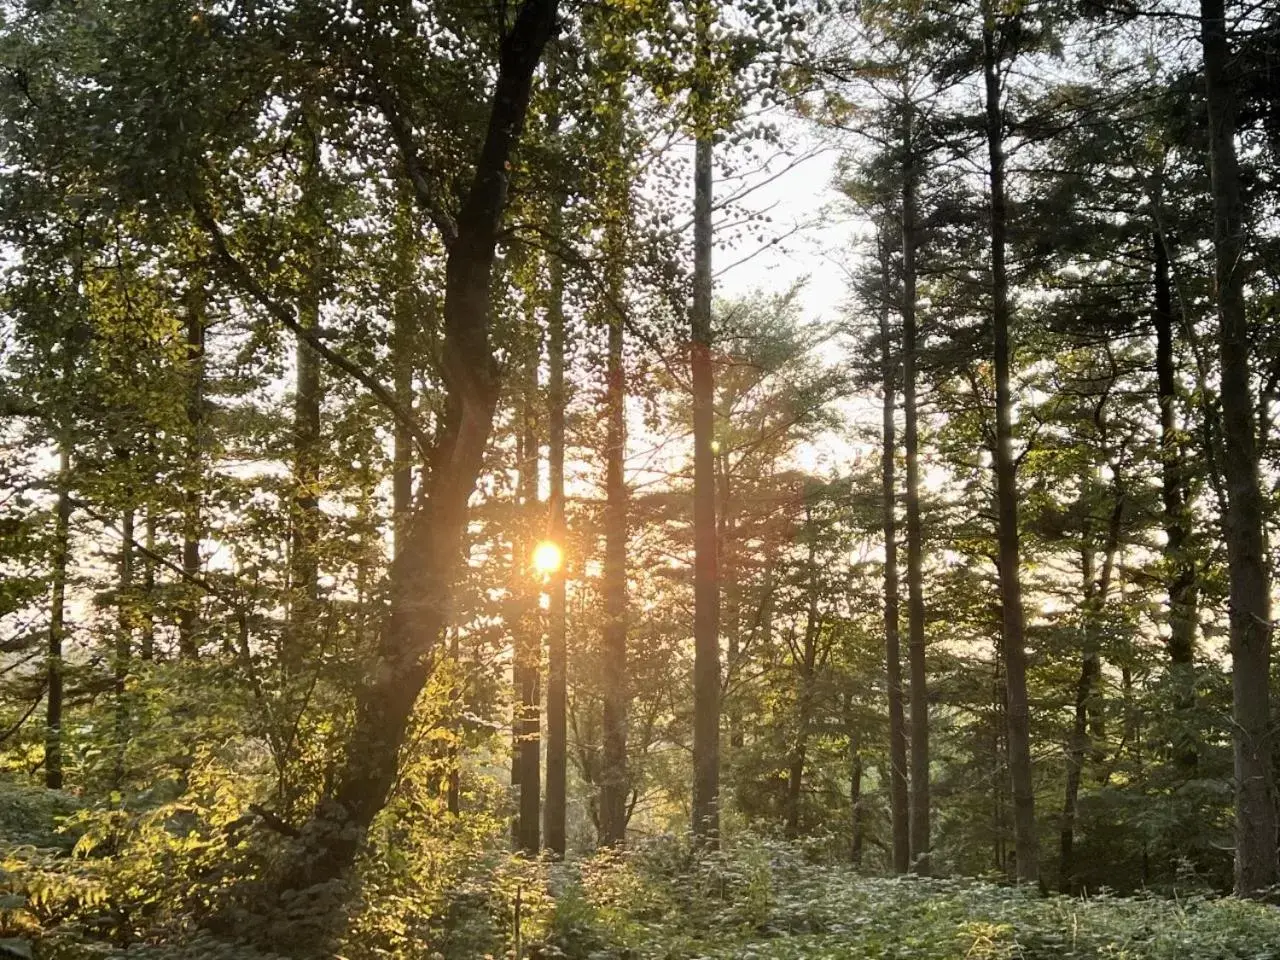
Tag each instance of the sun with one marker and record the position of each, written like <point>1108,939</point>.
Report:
<point>547,557</point>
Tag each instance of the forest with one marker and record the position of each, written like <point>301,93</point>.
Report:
<point>433,524</point>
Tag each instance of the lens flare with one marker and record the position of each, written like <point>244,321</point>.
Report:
<point>547,557</point>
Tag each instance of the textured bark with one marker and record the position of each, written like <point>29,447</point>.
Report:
<point>920,843</point>
<point>706,582</point>
<point>1249,592</point>
<point>57,623</point>
<point>422,575</point>
<point>1014,640</point>
<point>554,811</point>
<point>898,796</point>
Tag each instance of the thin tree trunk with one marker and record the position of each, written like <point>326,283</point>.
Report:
<point>1182,586</point>
<point>915,549</point>
<point>147,642</point>
<point>57,623</point>
<point>732,619</point>
<point>192,521</point>
<point>422,576</point>
<point>1024,818</point>
<point>614,782</point>
<point>857,814</point>
<point>706,627</point>
<point>808,658</point>
<point>554,812</point>
<point>1250,588</point>
<point>405,345</point>
<point>528,626</point>
<point>305,506</point>
<point>124,642</point>
<point>899,810</point>
<point>1095,590</point>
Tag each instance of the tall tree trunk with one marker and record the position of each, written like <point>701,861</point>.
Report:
<point>554,812</point>
<point>613,778</point>
<point>1095,589</point>
<point>857,814</point>
<point>147,642</point>
<point>422,576</point>
<point>405,344</point>
<point>1250,588</point>
<point>807,667</point>
<point>123,652</point>
<point>898,795</point>
<point>1014,641</point>
<point>193,482</point>
<point>1182,585</point>
<point>57,622</point>
<point>732,618</point>
<point>706,579</point>
<point>915,550</point>
<point>528,638</point>
<point>305,506</point>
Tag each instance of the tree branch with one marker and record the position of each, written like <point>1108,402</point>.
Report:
<point>241,274</point>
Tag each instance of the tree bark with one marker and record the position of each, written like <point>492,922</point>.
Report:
<point>422,576</point>
<point>57,622</point>
<point>706,627</point>
<point>899,810</point>
<point>1249,592</point>
<point>920,843</point>
<point>1014,640</point>
<point>147,642</point>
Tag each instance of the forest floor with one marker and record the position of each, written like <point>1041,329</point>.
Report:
<point>762,906</point>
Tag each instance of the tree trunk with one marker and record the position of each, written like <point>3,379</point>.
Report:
<point>1095,590</point>
<point>124,642</point>
<point>147,642</point>
<point>807,666</point>
<point>1250,607</point>
<point>898,796</point>
<point>706,626</point>
<point>528,627</point>
<point>57,622</point>
<point>305,506</point>
<point>1182,585</point>
<point>1014,641</point>
<point>422,576</point>
<point>915,549</point>
<point>613,777</point>
<point>192,522</point>
<point>857,826</point>
<point>554,812</point>
<point>405,346</point>
<point>732,618</point>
